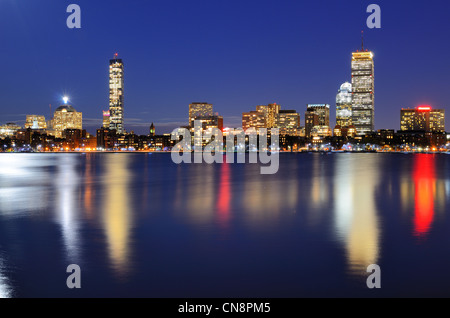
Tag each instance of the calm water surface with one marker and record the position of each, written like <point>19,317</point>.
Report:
<point>141,226</point>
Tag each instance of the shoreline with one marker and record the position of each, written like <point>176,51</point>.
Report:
<point>225,153</point>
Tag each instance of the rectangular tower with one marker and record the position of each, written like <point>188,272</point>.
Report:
<point>116,95</point>
<point>363,92</point>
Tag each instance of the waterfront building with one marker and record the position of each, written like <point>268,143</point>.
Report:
<point>422,118</point>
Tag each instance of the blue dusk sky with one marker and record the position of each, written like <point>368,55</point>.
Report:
<point>233,54</point>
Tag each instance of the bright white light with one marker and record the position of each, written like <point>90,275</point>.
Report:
<point>65,99</point>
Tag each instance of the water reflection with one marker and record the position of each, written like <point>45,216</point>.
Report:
<point>24,182</point>
<point>224,195</point>
<point>117,209</point>
<point>66,209</point>
<point>196,193</point>
<point>356,219</point>
<point>5,290</point>
<point>88,187</point>
<point>425,191</point>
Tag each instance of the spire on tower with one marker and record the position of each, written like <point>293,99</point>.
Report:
<point>362,41</point>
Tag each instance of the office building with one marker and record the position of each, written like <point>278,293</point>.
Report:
<point>265,116</point>
<point>344,106</point>
<point>199,110</point>
<point>116,93</point>
<point>316,115</point>
<point>35,122</point>
<point>9,130</point>
<point>270,113</point>
<point>422,118</point>
<point>363,99</point>
<point>66,117</point>
<point>106,119</point>
<point>288,121</point>
<point>253,119</point>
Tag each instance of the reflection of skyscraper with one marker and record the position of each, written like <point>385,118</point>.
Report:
<point>67,181</point>
<point>363,100</point>
<point>356,211</point>
<point>5,290</point>
<point>116,94</point>
<point>116,213</point>
<point>344,106</point>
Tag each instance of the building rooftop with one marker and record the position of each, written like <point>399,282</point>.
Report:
<point>67,108</point>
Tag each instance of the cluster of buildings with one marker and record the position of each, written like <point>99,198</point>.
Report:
<point>355,110</point>
<point>355,116</point>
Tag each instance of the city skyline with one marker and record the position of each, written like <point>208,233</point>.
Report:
<point>162,80</point>
<point>356,98</point>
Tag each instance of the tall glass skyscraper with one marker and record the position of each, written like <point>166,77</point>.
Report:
<point>116,95</point>
<point>363,91</point>
<point>344,106</point>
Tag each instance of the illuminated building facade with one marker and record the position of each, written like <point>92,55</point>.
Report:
<point>270,113</point>
<point>363,100</point>
<point>66,117</point>
<point>106,119</point>
<point>422,118</point>
<point>35,122</point>
<point>116,91</point>
<point>253,119</point>
<point>265,116</point>
<point>316,115</point>
<point>321,131</point>
<point>288,121</point>
<point>199,110</point>
<point>214,121</point>
<point>9,130</point>
<point>344,105</point>
<point>347,132</point>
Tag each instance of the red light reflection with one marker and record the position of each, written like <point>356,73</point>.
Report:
<point>223,202</point>
<point>424,182</point>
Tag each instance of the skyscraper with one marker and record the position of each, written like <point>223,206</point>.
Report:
<point>344,106</point>
<point>116,94</point>
<point>363,91</point>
